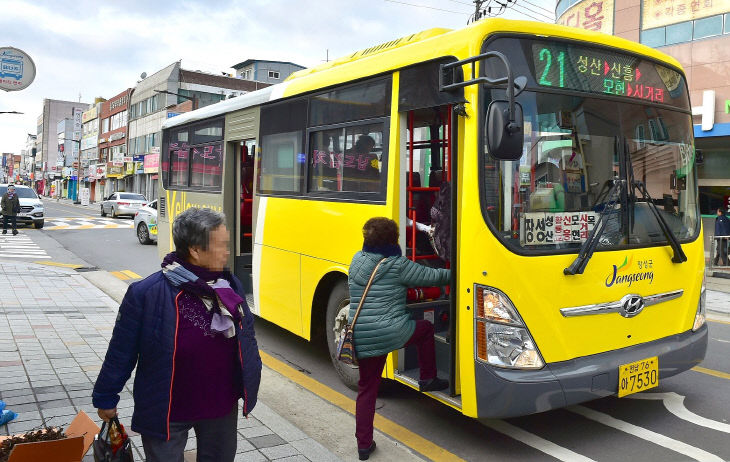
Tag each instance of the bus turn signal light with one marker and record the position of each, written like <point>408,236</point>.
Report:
<point>502,339</point>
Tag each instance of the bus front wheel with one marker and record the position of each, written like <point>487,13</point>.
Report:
<point>337,307</point>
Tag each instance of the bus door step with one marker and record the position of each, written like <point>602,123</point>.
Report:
<point>250,301</point>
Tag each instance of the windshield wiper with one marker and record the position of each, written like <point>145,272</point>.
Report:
<point>590,244</point>
<point>679,256</point>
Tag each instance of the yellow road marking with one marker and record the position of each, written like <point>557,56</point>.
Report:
<point>722,375</point>
<point>387,426</point>
<point>131,274</point>
<point>120,275</point>
<point>84,226</point>
<point>718,321</point>
<point>55,263</point>
<point>58,227</point>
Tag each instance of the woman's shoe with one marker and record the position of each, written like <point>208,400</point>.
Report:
<point>435,384</point>
<point>364,454</point>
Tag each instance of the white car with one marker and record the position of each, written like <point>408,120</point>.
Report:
<point>145,223</point>
<point>31,206</point>
<point>122,203</point>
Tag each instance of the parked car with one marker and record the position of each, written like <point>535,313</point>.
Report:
<point>31,206</point>
<point>122,203</point>
<point>145,223</point>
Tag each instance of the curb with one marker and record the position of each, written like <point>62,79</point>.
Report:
<point>107,283</point>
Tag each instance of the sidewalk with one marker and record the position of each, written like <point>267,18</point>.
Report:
<point>55,327</point>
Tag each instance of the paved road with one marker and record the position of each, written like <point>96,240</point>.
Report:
<point>107,243</point>
<point>686,418</point>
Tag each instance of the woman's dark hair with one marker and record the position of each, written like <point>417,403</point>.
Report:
<point>722,212</point>
<point>379,232</point>
<point>192,229</point>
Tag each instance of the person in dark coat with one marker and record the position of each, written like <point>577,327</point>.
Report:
<point>722,228</point>
<point>10,205</point>
<point>384,323</point>
<point>190,334</point>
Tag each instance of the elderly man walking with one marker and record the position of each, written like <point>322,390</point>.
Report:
<point>190,334</point>
<point>10,205</point>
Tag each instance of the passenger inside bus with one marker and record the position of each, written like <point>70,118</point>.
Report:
<point>363,174</point>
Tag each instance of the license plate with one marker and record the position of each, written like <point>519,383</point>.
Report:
<point>638,376</point>
<point>21,214</point>
<point>153,229</point>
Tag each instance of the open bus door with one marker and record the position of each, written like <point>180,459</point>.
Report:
<point>429,236</point>
<point>245,153</point>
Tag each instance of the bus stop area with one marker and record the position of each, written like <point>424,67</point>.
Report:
<point>55,327</point>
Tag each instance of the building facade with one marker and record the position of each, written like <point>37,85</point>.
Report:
<point>50,160</point>
<point>108,170</point>
<point>270,72</point>
<point>89,145</point>
<point>158,97</point>
<point>697,34</point>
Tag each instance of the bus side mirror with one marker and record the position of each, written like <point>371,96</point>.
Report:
<point>505,135</point>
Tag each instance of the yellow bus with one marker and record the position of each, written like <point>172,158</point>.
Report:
<point>551,168</point>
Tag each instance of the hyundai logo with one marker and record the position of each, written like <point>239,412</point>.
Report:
<point>631,305</point>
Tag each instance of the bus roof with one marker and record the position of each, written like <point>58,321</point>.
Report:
<point>415,48</point>
<point>223,107</point>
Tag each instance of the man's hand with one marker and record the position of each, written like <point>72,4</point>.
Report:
<point>106,414</point>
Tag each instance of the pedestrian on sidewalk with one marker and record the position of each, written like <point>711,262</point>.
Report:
<point>190,333</point>
<point>722,228</point>
<point>10,205</point>
<point>384,323</point>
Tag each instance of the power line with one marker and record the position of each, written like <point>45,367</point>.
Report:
<point>425,6</point>
<point>525,9</point>
<point>530,16</point>
<point>551,18</point>
<point>540,7</point>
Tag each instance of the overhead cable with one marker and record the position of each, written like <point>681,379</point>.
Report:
<point>426,6</point>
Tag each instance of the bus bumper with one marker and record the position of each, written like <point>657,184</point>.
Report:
<point>503,393</point>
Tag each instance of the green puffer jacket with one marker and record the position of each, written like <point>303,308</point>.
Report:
<point>384,324</point>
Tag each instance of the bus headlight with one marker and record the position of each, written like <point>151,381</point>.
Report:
<point>502,338</point>
<point>700,317</point>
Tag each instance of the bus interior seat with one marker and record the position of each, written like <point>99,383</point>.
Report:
<point>436,178</point>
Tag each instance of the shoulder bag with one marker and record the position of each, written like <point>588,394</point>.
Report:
<point>346,341</point>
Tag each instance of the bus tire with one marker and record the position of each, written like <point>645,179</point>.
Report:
<point>337,306</point>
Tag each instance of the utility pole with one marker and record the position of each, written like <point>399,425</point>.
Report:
<point>477,10</point>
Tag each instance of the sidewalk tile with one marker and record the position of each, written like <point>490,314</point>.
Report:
<point>253,432</point>
<point>266,441</point>
<point>55,404</point>
<point>250,456</point>
<point>278,452</point>
<point>312,450</point>
<point>297,458</point>
<point>244,445</point>
<point>273,420</point>
<point>17,392</point>
<point>45,397</point>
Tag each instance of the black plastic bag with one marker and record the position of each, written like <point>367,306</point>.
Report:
<point>103,448</point>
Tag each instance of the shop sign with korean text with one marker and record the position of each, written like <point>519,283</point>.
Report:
<point>17,69</point>
<point>595,15</point>
<point>151,163</point>
<point>663,13</point>
<point>546,228</point>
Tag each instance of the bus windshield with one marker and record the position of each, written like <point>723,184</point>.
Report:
<point>550,199</point>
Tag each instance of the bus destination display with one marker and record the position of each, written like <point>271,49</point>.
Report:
<point>572,67</point>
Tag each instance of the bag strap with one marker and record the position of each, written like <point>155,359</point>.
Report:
<point>365,293</point>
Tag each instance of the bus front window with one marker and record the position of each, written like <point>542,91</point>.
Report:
<point>551,198</point>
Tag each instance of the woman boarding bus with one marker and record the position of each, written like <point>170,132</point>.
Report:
<point>572,231</point>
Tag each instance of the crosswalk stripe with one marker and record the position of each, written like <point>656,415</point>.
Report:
<point>20,246</point>
<point>645,434</point>
<point>54,224</point>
